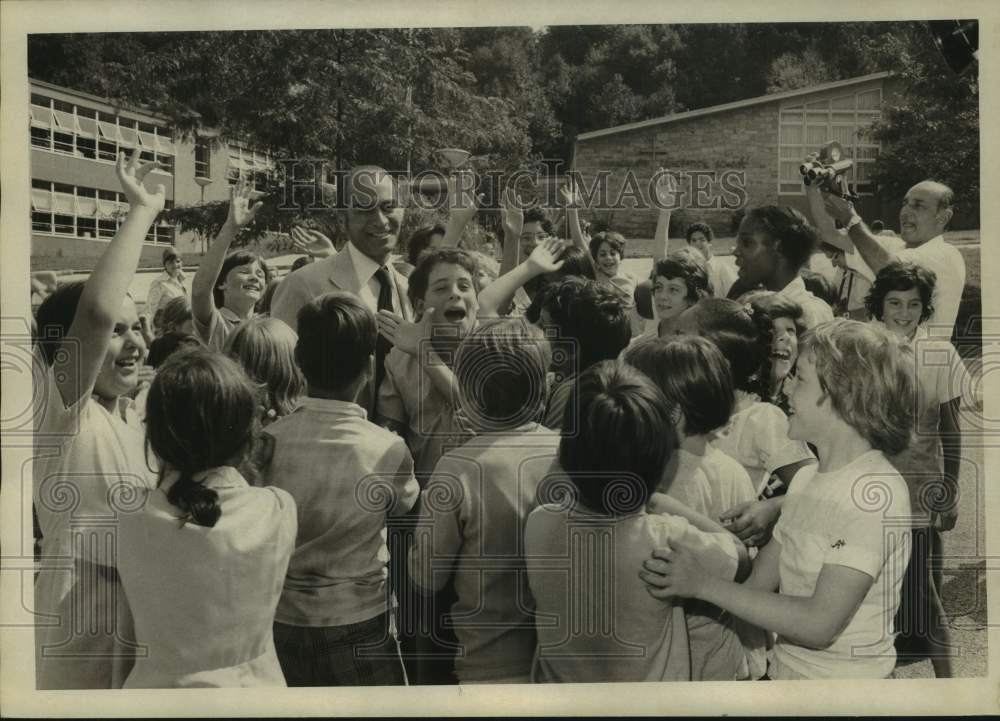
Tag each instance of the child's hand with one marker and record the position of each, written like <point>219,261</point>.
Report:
<point>240,211</point>
<point>311,242</point>
<point>545,256</point>
<point>130,175</point>
<point>570,197</point>
<point>511,215</point>
<point>401,333</point>
<point>461,212</point>
<point>666,188</point>
<point>752,521</point>
<point>671,573</point>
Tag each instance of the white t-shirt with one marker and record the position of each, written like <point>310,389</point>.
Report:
<point>706,480</point>
<point>757,438</point>
<point>856,516</point>
<point>814,310</point>
<point>948,265</point>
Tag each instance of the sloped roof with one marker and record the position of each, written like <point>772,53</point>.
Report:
<point>736,105</point>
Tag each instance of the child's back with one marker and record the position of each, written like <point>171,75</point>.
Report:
<point>582,568</point>
<point>476,506</point>
<point>706,480</point>
<point>339,468</point>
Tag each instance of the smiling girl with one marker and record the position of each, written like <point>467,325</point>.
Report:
<point>89,456</point>
<point>226,289</point>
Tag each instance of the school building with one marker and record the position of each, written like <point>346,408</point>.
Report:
<point>76,202</point>
<point>740,154</point>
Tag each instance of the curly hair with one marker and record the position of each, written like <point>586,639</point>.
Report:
<point>867,373</point>
<point>685,265</point>
<point>902,275</point>
<point>613,239</point>
<point>795,240</point>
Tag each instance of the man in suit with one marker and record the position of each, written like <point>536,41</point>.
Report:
<point>362,267</point>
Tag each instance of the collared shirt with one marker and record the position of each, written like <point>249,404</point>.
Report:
<point>365,268</point>
<point>843,518</point>
<point>86,461</point>
<point>814,310</point>
<point>204,598</point>
<point>474,511</point>
<point>342,471</point>
<point>948,265</point>
<point>597,621</point>
<point>161,291</point>
<point>408,396</point>
<point>222,324</point>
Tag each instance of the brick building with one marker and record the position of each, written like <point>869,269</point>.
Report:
<point>76,203</point>
<point>742,153</point>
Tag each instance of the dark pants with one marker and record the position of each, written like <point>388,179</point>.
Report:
<point>358,654</point>
<point>919,623</point>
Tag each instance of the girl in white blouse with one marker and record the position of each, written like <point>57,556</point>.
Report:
<point>204,559</point>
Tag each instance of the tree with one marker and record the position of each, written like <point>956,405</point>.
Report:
<point>791,71</point>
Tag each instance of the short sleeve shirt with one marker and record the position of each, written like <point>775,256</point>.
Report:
<point>856,516</point>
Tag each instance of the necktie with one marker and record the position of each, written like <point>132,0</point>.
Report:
<point>382,345</point>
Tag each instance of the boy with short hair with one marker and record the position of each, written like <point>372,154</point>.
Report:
<point>476,503</point>
<point>346,475</point>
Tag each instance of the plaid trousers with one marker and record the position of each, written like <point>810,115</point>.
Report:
<point>358,654</point>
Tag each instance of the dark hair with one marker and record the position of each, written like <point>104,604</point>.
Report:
<point>55,316</point>
<point>795,240</point>
<point>820,286</point>
<point>592,315</point>
<point>902,275</point>
<point>729,325</point>
<point>699,228</point>
<point>693,374</point>
<point>430,259</point>
<point>164,346</point>
<point>501,369</point>
<point>767,307</point>
<point>876,226</point>
<point>615,240</point>
<point>200,414</point>
<point>420,240</point>
<point>301,262</point>
<point>688,268</point>
<point>234,260</point>
<point>170,254</point>
<point>575,264</point>
<point>174,313</point>
<point>537,215</point>
<point>337,336</point>
<point>625,438</point>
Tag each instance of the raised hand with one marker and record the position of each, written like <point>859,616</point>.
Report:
<point>131,175</point>
<point>241,212</point>
<point>570,195</point>
<point>311,242</point>
<point>545,256</point>
<point>838,208</point>
<point>403,334</point>
<point>511,215</point>
<point>666,188</point>
<point>463,211</point>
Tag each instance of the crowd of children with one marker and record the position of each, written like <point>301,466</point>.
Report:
<point>491,479</point>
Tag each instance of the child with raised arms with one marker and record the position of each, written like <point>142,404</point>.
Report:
<point>828,582</point>
<point>203,562</point>
<point>226,288</point>
<point>89,449</point>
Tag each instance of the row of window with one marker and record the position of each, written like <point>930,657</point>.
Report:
<point>62,209</point>
<point>805,128</point>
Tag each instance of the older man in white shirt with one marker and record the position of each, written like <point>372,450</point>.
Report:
<point>926,210</point>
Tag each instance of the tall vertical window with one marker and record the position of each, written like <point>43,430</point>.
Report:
<point>846,119</point>
<point>202,160</point>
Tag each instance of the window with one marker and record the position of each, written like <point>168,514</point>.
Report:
<point>202,160</point>
<point>805,128</point>
<point>244,163</point>
<point>85,212</point>
<point>62,127</point>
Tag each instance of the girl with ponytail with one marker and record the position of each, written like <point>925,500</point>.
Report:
<point>204,560</point>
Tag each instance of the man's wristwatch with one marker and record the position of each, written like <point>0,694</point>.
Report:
<point>855,220</point>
